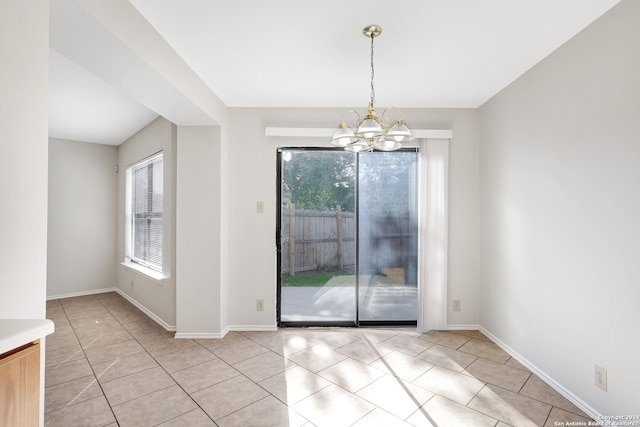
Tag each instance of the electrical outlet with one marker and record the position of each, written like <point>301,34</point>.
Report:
<point>456,305</point>
<point>132,284</point>
<point>601,377</point>
<point>260,207</point>
<point>259,305</point>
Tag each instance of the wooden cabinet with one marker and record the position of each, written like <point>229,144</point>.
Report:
<point>20,386</point>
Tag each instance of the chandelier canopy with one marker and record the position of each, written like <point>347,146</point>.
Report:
<point>371,132</point>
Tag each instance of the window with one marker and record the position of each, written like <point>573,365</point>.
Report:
<point>144,213</point>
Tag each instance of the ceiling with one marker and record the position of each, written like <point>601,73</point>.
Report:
<point>287,53</point>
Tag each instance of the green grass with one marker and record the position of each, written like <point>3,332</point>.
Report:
<point>311,280</point>
<point>339,280</point>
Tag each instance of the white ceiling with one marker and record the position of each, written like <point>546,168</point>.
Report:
<point>287,53</point>
<point>82,107</point>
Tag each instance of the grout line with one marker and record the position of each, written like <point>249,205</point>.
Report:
<point>90,366</point>
<point>163,368</point>
<point>401,382</point>
<point>284,358</point>
<point>95,379</point>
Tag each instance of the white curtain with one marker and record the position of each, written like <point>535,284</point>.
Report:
<point>433,234</point>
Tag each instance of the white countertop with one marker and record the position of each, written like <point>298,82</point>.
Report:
<point>18,332</point>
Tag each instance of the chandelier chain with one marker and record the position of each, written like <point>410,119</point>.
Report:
<point>373,90</point>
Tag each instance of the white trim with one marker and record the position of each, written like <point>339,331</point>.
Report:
<point>328,132</point>
<point>463,327</point>
<point>156,276</point>
<point>146,311</point>
<point>253,328</point>
<point>220,335</point>
<point>80,294</point>
<point>200,336</point>
<point>298,132</point>
<point>544,377</point>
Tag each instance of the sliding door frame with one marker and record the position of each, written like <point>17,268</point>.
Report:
<point>279,321</point>
<point>356,322</point>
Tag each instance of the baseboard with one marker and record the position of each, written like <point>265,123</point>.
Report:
<point>202,335</point>
<point>544,377</point>
<point>146,311</point>
<point>199,336</point>
<point>253,328</point>
<point>80,294</point>
<point>463,327</point>
<point>234,328</point>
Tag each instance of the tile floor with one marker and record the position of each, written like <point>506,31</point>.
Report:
<point>108,364</point>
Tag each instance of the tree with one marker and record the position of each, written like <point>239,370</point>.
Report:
<point>318,180</point>
<point>321,179</point>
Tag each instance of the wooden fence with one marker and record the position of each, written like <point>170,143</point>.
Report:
<point>317,240</point>
<point>325,241</point>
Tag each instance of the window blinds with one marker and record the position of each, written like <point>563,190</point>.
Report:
<point>146,212</point>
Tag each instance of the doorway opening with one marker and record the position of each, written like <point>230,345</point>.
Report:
<point>347,237</point>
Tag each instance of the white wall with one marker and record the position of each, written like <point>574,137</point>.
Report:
<point>158,298</point>
<point>24,77</point>
<point>81,246</point>
<point>252,178</point>
<point>560,221</point>
<point>201,235</point>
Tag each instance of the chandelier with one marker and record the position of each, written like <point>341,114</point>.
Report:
<point>372,132</point>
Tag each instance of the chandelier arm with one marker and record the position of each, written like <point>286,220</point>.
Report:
<point>356,113</point>
<point>382,118</point>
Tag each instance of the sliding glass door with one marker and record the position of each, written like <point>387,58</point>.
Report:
<point>347,237</point>
<point>317,237</point>
<point>387,237</point>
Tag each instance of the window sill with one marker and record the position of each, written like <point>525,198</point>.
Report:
<point>156,276</point>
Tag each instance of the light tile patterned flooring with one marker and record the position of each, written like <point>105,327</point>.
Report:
<point>108,364</point>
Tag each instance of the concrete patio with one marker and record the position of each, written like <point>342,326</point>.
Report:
<point>330,303</point>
